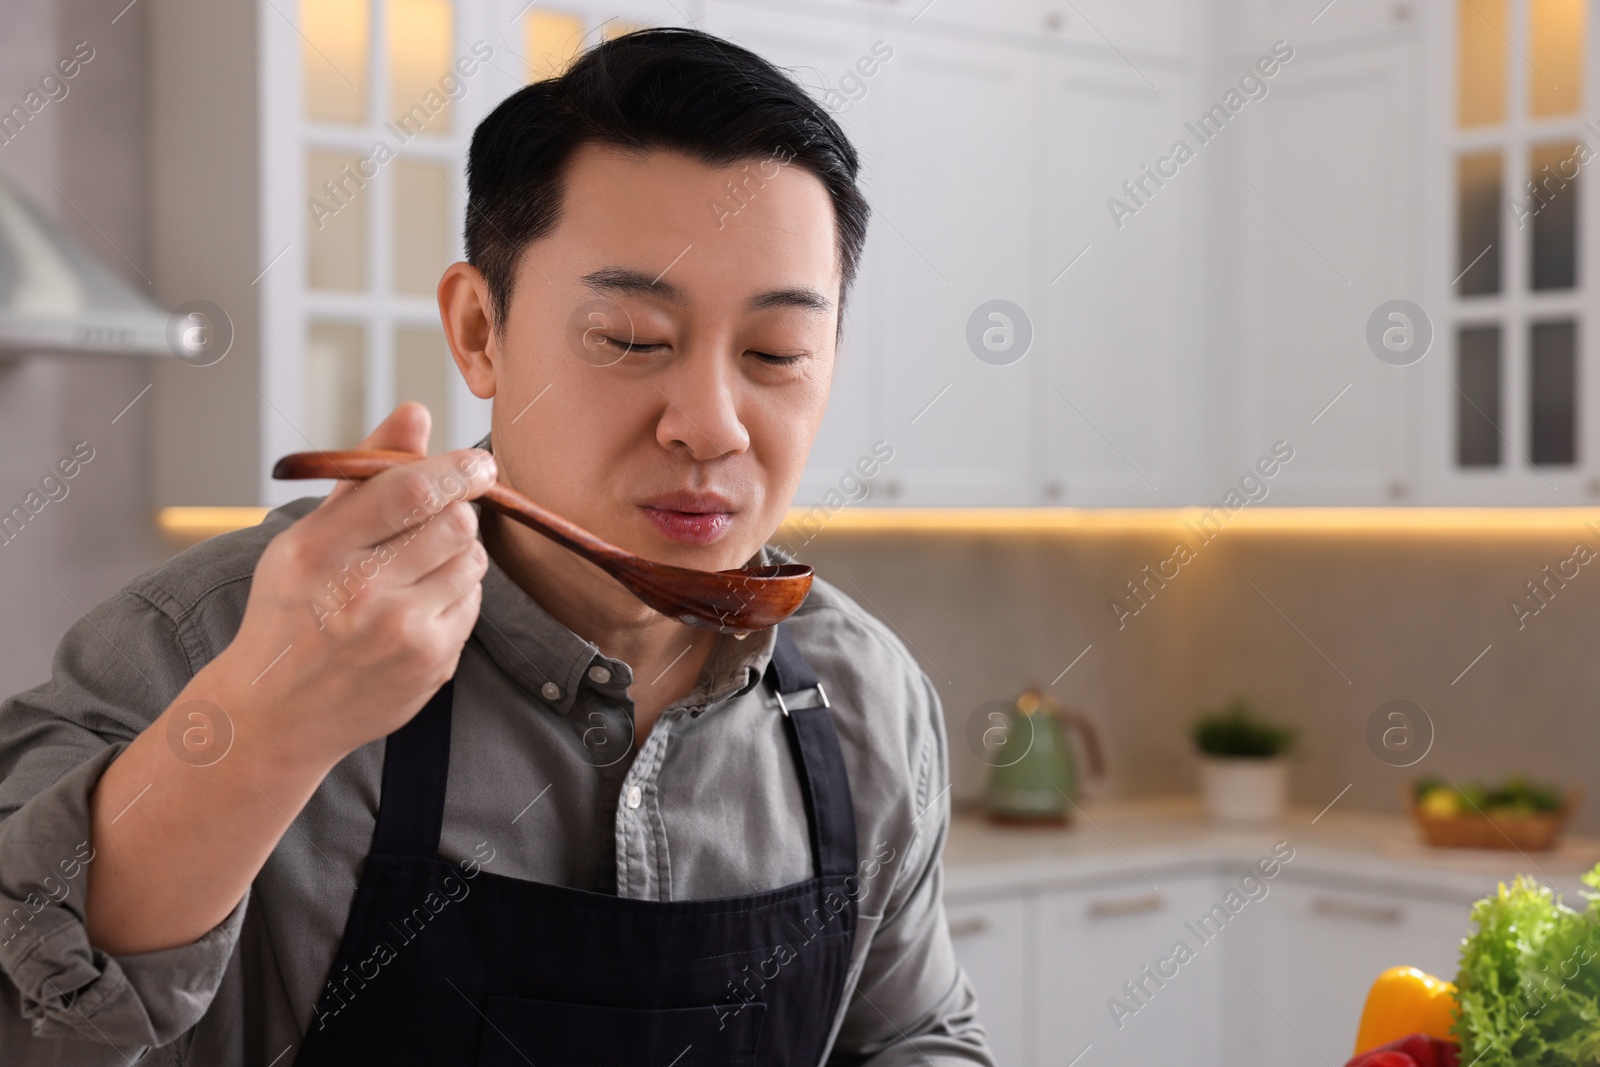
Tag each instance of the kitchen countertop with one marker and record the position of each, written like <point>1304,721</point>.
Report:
<point>1112,841</point>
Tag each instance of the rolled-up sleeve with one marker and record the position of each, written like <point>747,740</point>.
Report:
<point>913,1003</point>
<point>114,672</point>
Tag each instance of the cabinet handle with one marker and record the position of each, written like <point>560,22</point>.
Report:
<point>1349,909</point>
<point>977,924</point>
<point>1117,909</point>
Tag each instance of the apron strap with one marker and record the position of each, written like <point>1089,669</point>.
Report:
<point>416,763</point>
<point>824,783</point>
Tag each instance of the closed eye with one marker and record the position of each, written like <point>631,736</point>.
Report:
<point>648,346</point>
<point>631,346</point>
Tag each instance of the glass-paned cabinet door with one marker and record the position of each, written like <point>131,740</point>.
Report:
<point>1518,257</point>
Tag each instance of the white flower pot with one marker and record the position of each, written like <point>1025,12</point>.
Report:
<point>1244,789</point>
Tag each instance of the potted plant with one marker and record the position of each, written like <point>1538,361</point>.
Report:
<point>1244,766</point>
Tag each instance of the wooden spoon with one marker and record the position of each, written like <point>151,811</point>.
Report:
<point>735,602</point>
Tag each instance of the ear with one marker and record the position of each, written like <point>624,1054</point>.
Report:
<point>464,310</point>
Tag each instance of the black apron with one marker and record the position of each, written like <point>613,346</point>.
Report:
<point>443,964</point>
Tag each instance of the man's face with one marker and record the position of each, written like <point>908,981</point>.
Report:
<point>665,360</point>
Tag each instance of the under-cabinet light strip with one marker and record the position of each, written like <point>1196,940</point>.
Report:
<point>192,522</point>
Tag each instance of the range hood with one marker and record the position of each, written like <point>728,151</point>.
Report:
<point>56,297</point>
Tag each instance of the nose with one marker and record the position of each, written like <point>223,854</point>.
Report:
<point>700,411</point>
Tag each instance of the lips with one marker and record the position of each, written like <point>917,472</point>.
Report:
<point>691,503</point>
<point>690,518</point>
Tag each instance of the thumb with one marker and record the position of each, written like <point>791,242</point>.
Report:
<point>405,429</point>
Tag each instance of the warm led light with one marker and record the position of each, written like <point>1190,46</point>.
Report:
<point>208,521</point>
<point>1314,520</point>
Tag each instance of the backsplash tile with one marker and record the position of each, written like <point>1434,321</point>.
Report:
<point>1317,628</point>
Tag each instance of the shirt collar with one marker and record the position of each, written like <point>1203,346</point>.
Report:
<point>552,663</point>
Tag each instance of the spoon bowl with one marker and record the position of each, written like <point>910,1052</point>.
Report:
<point>734,601</point>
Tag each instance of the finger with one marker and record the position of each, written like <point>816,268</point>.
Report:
<point>401,498</point>
<point>423,546</point>
<point>462,612</point>
<point>456,584</point>
<point>405,429</point>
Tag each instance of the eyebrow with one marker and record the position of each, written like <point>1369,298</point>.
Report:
<point>802,296</point>
<point>637,282</point>
<point>628,280</point>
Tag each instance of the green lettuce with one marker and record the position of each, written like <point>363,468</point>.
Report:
<point>1529,983</point>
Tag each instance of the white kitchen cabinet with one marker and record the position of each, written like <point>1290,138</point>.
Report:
<point>994,941</point>
<point>1282,980</point>
<point>1138,31</point>
<point>1146,29</point>
<point>957,213</point>
<point>1351,895</point>
<point>874,10</point>
<point>1170,348</point>
<point>1143,30</point>
<point>1487,214</point>
<point>1093,941</point>
<point>1360,159</point>
<point>1321,22</point>
<point>1327,230</point>
<point>1324,943</point>
<point>1122,404</point>
<point>1008,16</point>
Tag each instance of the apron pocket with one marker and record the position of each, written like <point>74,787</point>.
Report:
<point>552,1034</point>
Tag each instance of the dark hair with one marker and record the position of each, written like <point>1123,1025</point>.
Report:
<point>669,88</point>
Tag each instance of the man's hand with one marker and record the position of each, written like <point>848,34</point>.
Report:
<point>358,612</point>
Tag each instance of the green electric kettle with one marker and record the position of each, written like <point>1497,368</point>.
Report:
<point>1033,774</point>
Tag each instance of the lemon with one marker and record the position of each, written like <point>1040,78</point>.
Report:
<point>1440,803</point>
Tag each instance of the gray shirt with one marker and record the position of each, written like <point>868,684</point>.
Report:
<point>545,784</point>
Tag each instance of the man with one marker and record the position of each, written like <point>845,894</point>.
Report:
<point>390,779</point>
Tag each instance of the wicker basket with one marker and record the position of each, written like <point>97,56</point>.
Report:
<point>1534,832</point>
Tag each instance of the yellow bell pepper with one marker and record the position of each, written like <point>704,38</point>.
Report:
<point>1405,1001</point>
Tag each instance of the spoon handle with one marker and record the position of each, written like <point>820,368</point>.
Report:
<point>359,464</point>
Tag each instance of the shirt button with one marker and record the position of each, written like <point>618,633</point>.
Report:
<point>599,675</point>
<point>550,691</point>
<point>634,796</point>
